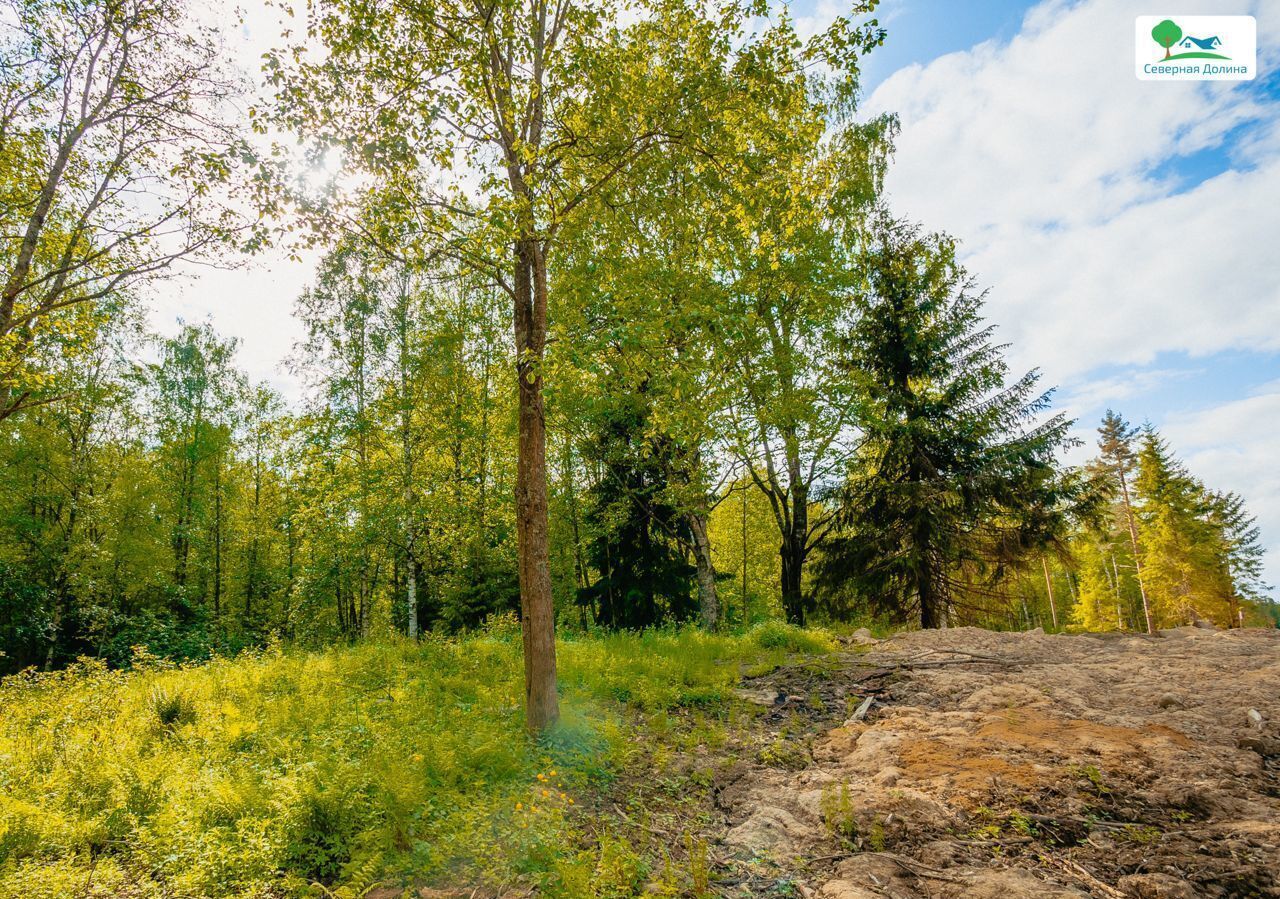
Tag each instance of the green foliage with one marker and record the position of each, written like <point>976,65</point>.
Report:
<point>744,538</point>
<point>1199,549</point>
<point>25,620</point>
<point>1198,554</point>
<point>101,193</point>
<point>785,754</point>
<point>836,808</point>
<point>171,709</point>
<point>264,773</point>
<point>645,579</point>
<point>776,634</point>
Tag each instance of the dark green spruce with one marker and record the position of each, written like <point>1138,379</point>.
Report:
<point>955,475</point>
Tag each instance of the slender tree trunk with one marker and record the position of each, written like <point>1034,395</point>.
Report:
<point>579,565</point>
<point>795,537</point>
<point>744,552</point>
<point>1137,562</point>
<point>542,707</point>
<point>251,575</point>
<point>792,588</point>
<point>55,625</point>
<point>1115,580</point>
<point>406,451</point>
<point>217,537</point>
<point>290,553</point>
<point>708,600</point>
<point>342,607</point>
<point>1048,583</point>
<point>483,494</point>
<point>180,540</point>
<point>411,596</point>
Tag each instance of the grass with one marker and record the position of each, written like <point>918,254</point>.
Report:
<point>293,773</point>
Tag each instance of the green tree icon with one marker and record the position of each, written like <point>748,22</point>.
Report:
<point>1166,34</point>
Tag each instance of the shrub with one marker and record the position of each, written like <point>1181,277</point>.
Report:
<point>171,708</point>
<point>780,635</point>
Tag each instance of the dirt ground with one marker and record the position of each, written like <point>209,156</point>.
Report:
<point>1010,765</point>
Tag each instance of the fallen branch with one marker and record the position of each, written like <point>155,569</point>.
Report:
<point>922,659</point>
<point>1082,874</point>
<point>940,663</point>
<point>996,841</point>
<point>922,870</point>
<point>656,831</point>
<point>1091,823</point>
<point>863,708</point>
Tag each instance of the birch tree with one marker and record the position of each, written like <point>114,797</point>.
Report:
<point>112,154</point>
<point>489,126</point>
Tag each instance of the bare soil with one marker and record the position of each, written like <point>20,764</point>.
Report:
<point>1009,765</point>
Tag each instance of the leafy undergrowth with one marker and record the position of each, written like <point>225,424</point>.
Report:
<point>292,773</point>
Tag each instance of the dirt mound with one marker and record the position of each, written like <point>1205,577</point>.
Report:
<point>996,764</point>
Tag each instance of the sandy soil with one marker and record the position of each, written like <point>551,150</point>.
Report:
<point>1007,765</point>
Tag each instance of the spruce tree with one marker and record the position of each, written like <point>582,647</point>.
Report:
<point>954,474</point>
<point>1240,551</point>
<point>640,533</point>
<point>1173,546</point>
<point>1200,550</point>
<point>1098,604</point>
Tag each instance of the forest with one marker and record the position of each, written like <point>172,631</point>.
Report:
<point>612,317</point>
<point>627,399</point>
<point>615,318</point>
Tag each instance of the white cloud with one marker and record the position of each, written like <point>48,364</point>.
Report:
<point>1094,393</point>
<point>252,302</point>
<point>1040,155</point>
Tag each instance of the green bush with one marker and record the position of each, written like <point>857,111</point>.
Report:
<point>780,635</point>
<point>171,709</point>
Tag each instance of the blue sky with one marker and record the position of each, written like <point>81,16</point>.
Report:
<point>1127,229</point>
<point>923,30</point>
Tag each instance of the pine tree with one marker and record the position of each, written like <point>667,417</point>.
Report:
<point>1115,439</point>
<point>1240,550</point>
<point>953,475</point>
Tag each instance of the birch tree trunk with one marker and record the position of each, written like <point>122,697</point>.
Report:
<point>708,601</point>
<point>1137,562</point>
<point>1048,583</point>
<point>411,597</point>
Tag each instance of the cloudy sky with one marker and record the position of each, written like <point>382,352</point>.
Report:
<point>1129,231</point>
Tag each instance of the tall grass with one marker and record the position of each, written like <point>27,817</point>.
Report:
<point>287,773</point>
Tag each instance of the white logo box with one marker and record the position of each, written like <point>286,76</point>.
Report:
<point>1237,39</point>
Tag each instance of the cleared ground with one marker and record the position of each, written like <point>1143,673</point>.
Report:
<point>1008,765</point>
